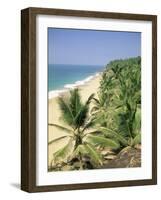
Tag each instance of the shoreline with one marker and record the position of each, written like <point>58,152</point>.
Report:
<point>54,113</point>
<point>76,84</point>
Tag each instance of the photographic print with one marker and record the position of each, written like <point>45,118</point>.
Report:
<point>88,99</point>
<point>94,99</point>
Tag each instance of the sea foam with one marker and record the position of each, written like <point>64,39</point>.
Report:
<point>56,93</point>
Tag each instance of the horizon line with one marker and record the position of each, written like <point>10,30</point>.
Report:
<point>72,64</point>
<point>124,58</point>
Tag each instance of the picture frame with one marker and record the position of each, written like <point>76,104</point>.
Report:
<point>29,97</point>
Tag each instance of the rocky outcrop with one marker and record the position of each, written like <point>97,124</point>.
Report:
<point>128,157</point>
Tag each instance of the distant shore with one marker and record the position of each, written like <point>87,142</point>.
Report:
<point>86,88</point>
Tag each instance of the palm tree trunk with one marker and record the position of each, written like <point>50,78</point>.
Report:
<point>80,161</point>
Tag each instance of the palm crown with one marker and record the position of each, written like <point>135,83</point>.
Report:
<point>82,140</point>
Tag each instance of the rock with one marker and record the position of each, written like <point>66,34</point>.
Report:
<point>66,168</point>
<point>110,157</point>
<point>107,152</point>
<point>86,159</point>
<point>128,157</point>
<point>138,146</point>
<point>104,153</point>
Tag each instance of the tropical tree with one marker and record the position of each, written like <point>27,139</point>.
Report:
<point>83,139</point>
<point>117,109</point>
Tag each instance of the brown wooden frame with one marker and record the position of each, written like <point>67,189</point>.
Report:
<point>28,98</point>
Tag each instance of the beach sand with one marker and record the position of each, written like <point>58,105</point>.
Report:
<point>54,115</point>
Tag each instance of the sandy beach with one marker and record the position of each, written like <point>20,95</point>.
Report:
<point>54,115</point>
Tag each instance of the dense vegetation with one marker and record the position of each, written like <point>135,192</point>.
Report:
<point>103,125</point>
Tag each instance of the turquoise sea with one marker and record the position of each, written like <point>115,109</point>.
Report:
<point>65,76</point>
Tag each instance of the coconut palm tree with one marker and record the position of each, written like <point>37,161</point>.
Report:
<point>120,87</point>
<point>83,139</point>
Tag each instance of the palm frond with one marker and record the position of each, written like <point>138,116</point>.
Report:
<point>75,101</point>
<point>123,125</point>
<point>82,113</point>
<point>95,132</point>
<point>88,125</point>
<point>113,134</point>
<point>89,99</point>
<point>62,128</point>
<point>80,150</point>
<point>57,139</point>
<point>102,141</point>
<point>66,111</point>
<point>81,116</point>
<point>137,139</point>
<point>96,101</point>
<point>62,154</point>
<point>94,155</point>
<point>137,122</point>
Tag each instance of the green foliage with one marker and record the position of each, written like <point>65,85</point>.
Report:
<point>114,121</point>
<point>74,112</point>
<point>82,140</point>
<point>114,135</point>
<point>102,141</point>
<point>62,154</point>
<point>95,156</point>
<point>117,110</point>
<point>137,139</point>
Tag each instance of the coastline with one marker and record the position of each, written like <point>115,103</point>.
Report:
<point>87,87</point>
<point>67,87</point>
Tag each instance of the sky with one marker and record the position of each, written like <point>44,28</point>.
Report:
<point>91,47</point>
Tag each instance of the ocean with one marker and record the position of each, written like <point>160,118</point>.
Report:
<point>64,76</point>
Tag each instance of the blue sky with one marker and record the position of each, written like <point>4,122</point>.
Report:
<point>90,47</point>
